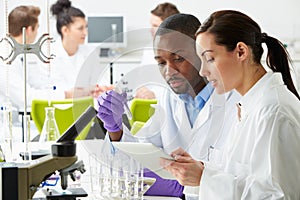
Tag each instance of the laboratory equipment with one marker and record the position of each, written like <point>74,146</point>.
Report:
<point>126,107</point>
<point>6,111</point>
<point>66,112</point>
<point>2,157</point>
<point>16,48</point>
<point>110,36</point>
<point>115,175</point>
<point>19,181</point>
<point>13,49</point>
<point>50,130</point>
<point>104,35</point>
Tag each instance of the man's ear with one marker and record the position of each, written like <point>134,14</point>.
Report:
<point>242,50</point>
<point>29,30</point>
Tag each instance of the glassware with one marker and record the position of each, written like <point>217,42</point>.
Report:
<point>117,176</point>
<point>50,130</point>
<point>2,157</point>
<point>6,112</point>
<point>27,152</point>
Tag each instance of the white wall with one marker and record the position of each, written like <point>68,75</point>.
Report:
<point>276,17</point>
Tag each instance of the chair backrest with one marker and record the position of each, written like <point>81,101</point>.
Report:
<point>66,112</point>
<point>141,111</point>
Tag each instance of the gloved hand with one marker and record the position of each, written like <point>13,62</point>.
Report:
<point>163,187</point>
<point>111,108</point>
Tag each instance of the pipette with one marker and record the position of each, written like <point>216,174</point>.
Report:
<point>126,107</point>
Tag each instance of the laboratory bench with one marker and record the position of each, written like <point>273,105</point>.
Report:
<point>84,150</point>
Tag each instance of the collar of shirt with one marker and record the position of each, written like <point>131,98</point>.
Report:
<point>200,99</point>
<point>193,106</point>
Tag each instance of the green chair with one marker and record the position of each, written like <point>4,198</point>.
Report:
<point>66,112</point>
<point>141,111</point>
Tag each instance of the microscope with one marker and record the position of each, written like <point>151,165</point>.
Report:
<point>19,181</point>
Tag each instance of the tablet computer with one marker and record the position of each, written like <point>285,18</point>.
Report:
<point>147,154</point>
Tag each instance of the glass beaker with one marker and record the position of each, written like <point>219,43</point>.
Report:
<point>50,130</point>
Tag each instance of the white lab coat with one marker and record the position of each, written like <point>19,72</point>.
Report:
<point>169,128</point>
<point>262,158</point>
<point>69,71</point>
<point>37,85</point>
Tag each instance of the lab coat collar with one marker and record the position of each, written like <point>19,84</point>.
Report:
<point>59,50</point>
<point>254,95</point>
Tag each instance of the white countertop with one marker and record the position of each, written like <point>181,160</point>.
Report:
<point>85,148</point>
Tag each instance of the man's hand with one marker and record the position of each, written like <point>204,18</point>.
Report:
<point>111,109</point>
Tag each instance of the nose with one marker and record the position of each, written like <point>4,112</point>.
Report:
<point>85,31</point>
<point>170,70</point>
<point>204,72</point>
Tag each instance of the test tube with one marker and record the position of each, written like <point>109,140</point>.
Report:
<point>27,152</point>
<point>7,124</point>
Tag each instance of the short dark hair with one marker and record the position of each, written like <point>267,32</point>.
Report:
<point>22,16</point>
<point>165,10</point>
<point>183,23</point>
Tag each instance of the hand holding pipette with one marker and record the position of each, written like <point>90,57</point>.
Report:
<point>111,108</point>
<point>126,107</point>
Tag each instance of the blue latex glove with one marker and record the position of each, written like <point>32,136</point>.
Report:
<point>163,187</point>
<point>111,109</point>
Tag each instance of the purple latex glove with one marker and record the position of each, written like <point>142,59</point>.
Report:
<point>163,187</point>
<point>111,108</point>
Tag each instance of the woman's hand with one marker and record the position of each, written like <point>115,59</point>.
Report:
<point>187,171</point>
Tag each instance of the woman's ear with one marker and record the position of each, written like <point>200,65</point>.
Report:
<point>64,30</point>
<point>242,50</point>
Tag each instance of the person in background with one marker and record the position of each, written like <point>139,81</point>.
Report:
<point>189,115</point>
<point>261,158</point>
<point>19,17</point>
<point>158,15</point>
<point>71,52</point>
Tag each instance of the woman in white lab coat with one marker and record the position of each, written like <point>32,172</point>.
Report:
<point>70,51</point>
<point>262,157</point>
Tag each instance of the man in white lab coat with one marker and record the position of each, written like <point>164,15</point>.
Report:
<point>190,116</point>
<point>12,76</point>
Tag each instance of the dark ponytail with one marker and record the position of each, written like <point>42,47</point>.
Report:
<point>278,60</point>
<point>230,27</point>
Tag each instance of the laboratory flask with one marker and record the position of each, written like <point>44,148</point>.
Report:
<point>50,130</point>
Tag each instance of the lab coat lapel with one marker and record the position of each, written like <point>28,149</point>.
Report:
<point>181,117</point>
<point>214,103</point>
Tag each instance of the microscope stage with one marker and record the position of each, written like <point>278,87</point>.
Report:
<point>68,194</point>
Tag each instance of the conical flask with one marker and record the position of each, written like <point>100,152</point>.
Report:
<point>50,130</point>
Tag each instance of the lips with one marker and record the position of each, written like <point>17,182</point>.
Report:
<point>175,82</point>
<point>213,82</point>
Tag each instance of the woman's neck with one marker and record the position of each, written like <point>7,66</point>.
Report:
<point>70,47</point>
<point>250,78</point>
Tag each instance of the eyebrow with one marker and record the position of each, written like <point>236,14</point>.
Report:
<point>172,53</point>
<point>204,52</point>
